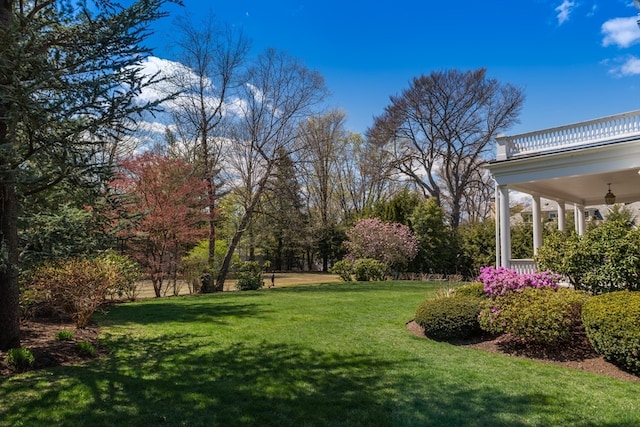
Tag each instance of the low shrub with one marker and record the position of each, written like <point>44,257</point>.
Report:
<point>85,348</point>
<point>20,358</point>
<point>64,335</point>
<point>500,281</point>
<point>447,318</point>
<point>365,269</point>
<point>472,290</point>
<point>75,287</point>
<point>612,323</point>
<point>546,317</point>
<point>127,273</point>
<point>344,269</point>
<point>249,275</point>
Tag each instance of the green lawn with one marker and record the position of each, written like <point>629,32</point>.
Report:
<point>313,355</point>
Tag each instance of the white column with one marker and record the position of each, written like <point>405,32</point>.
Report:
<point>497,216</point>
<point>537,224</point>
<point>505,228</point>
<point>562,215</point>
<point>579,214</point>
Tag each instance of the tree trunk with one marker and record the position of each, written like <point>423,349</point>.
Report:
<point>9,295</point>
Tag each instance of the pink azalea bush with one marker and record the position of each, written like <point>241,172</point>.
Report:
<point>501,280</point>
<point>391,243</point>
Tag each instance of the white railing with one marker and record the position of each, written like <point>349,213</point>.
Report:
<point>523,266</point>
<point>605,129</point>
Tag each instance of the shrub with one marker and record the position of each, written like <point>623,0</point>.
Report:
<point>612,323</point>
<point>344,269</point>
<point>472,290</point>
<point>64,335</point>
<point>127,274</point>
<point>249,276</point>
<point>605,259</point>
<point>365,269</point>
<point>85,348</point>
<point>75,287</point>
<point>20,358</point>
<point>541,316</point>
<point>500,281</point>
<point>454,317</point>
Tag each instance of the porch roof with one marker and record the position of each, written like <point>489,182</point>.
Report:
<point>574,163</point>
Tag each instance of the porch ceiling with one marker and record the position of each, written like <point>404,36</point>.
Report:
<point>579,175</point>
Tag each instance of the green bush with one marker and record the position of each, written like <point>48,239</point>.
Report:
<point>64,335</point>
<point>612,323</point>
<point>344,269</point>
<point>472,290</point>
<point>128,272</point>
<point>605,259</point>
<point>365,269</point>
<point>249,276</point>
<point>85,348</point>
<point>454,317</point>
<point>544,316</point>
<point>20,358</point>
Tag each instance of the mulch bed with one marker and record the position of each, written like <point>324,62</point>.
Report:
<point>580,355</point>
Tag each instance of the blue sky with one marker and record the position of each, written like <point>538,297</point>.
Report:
<point>574,59</point>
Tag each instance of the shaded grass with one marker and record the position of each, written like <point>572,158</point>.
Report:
<point>315,355</point>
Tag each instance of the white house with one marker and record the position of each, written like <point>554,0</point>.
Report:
<point>574,165</point>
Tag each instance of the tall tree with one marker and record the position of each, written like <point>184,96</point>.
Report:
<point>440,129</point>
<point>166,200</point>
<point>69,77</point>
<point>323,141</point>
<point>279,94</point>
<point>213,57</point>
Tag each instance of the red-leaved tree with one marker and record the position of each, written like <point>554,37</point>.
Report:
<point>160,212</point>
<point>389,242</point>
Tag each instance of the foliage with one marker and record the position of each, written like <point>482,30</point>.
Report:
<point>344,269</point>
<point>390,243</point>
<point>195,263</point>
<point>436,241</point>
<point>400,208</point>
<point>64,335</point>
<point>452,317</point>
<point>70,77</point>
<point>20,358</point>
<point>365,269</point>
<point>160,212</point>
<point>85,348</point>
<point>500,281</point>
<point>612,324</point>
<point>542,316</point>
<point>477,246</point>
<point>75,287</point>
<point>128,273</point>
<point>472,289</point>
<point>249,274</point>
<point>605,259</point>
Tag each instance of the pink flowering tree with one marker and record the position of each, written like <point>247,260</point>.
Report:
<point>388,242</point>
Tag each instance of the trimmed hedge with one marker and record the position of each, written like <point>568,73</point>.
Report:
<point>472,290</point>
<point>612,323</point>
<point>447,318</point>
<point>545,316</point>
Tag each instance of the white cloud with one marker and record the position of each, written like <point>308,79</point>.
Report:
<point>564,10</point>
<point>629,67</point>
<point>621,32</point>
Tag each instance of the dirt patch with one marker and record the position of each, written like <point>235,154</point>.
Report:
<point>39,336</point>
<point>579,356</point>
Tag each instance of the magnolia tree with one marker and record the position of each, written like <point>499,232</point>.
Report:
<point>388,242</point>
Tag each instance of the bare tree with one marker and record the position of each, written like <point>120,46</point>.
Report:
<point>213,57</point>
<point>439,130</point>
<point>279,94</point>
<point>323,141</point>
